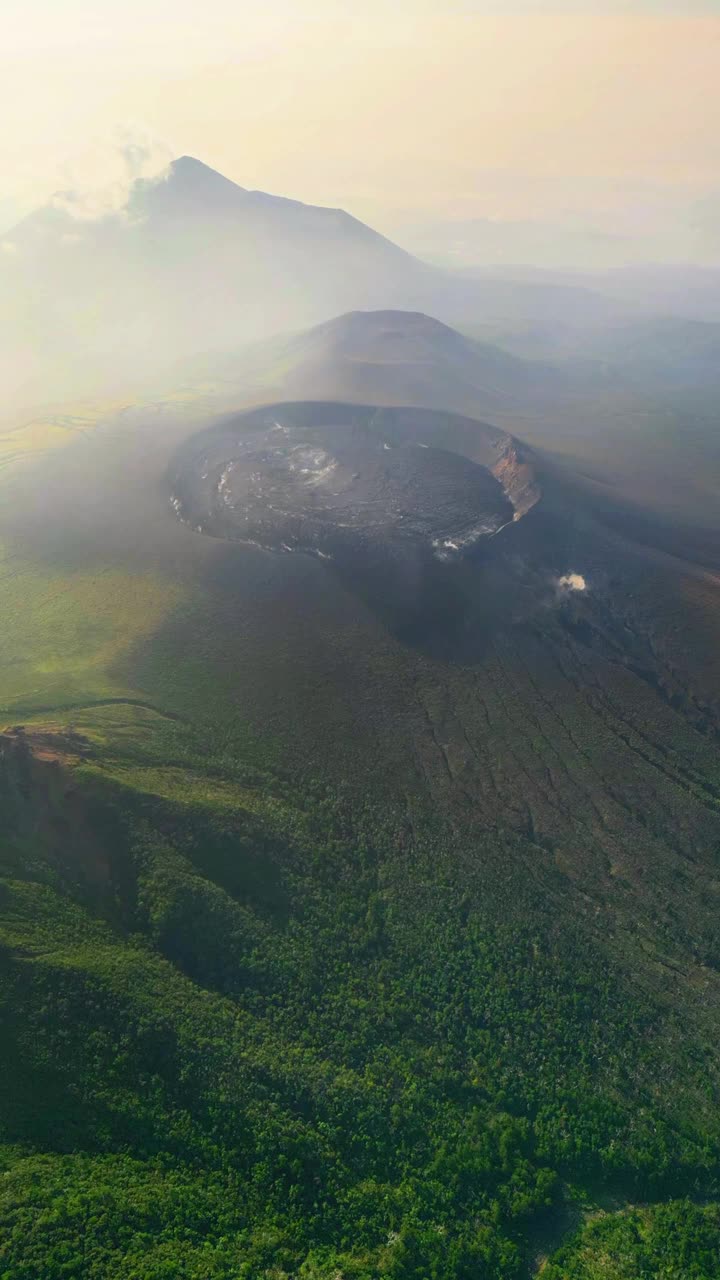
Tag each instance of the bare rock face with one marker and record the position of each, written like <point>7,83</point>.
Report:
<point>515,472</point>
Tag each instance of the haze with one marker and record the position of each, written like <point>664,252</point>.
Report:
<point>576,134</point>
<point>360,641</point>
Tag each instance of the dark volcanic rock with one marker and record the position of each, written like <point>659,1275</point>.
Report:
<point>327,478</point>
<point>392,497</point>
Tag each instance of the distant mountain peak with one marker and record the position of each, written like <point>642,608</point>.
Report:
<point>189,185</point>
<point>192,189</point>
<point>190,169</point>
<point>191,162</point>
<point>389,315</point>
<point>417,322</point>
<point>389,332</point>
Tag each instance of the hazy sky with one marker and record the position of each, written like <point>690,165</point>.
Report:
<point>599,113</point>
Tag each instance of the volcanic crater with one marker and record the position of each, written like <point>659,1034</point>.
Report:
<point>333,480</point>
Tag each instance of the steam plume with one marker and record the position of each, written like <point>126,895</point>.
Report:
<point>98,183</point>
<point>572,582</point>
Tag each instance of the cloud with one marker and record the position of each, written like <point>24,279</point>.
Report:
<point>98,183</point>
<point>9,247</point>
<point>572,582</point>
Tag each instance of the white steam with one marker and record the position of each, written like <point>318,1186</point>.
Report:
<point>98,183</point>
<point>572,582</point>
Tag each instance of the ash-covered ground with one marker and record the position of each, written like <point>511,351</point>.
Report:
<point>391,498</point>
<point>329,480</point>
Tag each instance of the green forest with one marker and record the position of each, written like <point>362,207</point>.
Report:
<point>250,1031</point>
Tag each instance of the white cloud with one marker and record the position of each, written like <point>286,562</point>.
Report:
<point>98,183</point>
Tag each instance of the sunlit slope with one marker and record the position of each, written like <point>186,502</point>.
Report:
<point>67,614</point>
<point>64,630</point>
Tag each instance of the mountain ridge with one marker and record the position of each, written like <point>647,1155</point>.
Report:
<point>96,302</point>
<point>102,304</point>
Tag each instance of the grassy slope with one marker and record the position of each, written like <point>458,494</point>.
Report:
<point>62,631</point>
<point>279,1035</point>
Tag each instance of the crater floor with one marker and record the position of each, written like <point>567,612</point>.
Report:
<point>330,479</point>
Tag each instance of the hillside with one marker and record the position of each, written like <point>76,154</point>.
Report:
<point>102,303</point>
<point>333,945</point>
<point>392,357</point>
<point>196,263</point>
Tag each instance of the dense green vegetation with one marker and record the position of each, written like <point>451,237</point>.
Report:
<point>270,1039</point>
<point>668,1241</point>
<point>453,1019</point>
